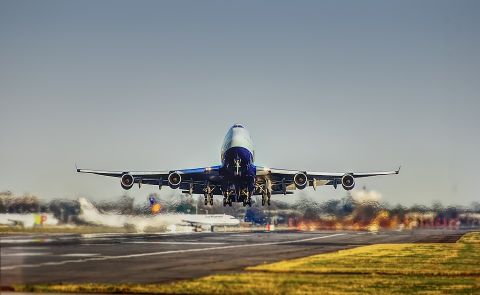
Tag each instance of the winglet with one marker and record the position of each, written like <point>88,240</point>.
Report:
<point>398,170</point>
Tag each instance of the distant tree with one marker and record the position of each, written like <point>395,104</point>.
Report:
<point>331,207</point>
<point>125,205</point>
<point>185,204</point>
<point>437,206</point>
<point>64,210</point>
<point>348,204</point>
<point>399,211</point>
<point>418,208</point>
<point>365,212</point>
<point>308,208</point>
<point>451,212</point>
<point>475,207</point>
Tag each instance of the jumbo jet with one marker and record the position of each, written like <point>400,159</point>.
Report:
<point>237,178</point>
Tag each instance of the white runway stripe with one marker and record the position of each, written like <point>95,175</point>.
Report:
<point>80,254</point>
<point>175,243</point>
<point>103,258</point>
<point>27,254</point>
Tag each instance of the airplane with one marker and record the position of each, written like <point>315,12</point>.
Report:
<point>237,178</point>
<point>90,214</point>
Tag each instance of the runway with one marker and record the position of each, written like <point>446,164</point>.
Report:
<point>147,258</point>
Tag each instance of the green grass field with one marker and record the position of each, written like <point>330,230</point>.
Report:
<point>429,268</point>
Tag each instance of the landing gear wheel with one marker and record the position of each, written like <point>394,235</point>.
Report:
<point>224,201</point>
<point>206,201</point>
<point>268,201</point>
<point>211,200</point>
<point>263,200</point>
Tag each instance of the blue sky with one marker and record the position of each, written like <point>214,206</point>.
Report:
<point>321,85</point>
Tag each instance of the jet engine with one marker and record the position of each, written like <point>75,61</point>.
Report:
<point>300,180</point>
<point>348,182</point>
<point>174,180</point>
<point>127,181</point>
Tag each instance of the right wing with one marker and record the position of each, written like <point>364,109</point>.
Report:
<point>283,180</point>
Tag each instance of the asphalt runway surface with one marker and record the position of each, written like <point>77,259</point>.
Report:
<point>148,258</point>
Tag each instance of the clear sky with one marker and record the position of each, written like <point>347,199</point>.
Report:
<point>321,85</point>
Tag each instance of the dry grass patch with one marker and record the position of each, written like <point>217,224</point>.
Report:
<point>455,259</point>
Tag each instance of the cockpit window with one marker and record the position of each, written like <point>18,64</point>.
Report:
<point>237,126</point>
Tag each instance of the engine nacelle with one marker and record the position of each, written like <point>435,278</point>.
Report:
<point>300,180</point>
<point>127,181</point>
<point>174,180</point>
<point>348,182</point>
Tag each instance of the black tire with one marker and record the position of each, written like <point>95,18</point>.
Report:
<point>211,200</point>
<point>268,201</point>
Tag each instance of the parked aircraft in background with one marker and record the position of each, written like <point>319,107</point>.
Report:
<point>28,219</point>
<point>237,178</point>
<point>90,214</point>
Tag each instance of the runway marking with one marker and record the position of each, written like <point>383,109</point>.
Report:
<point>103,258</point>
<point>27,247</point>
<point>27,254</point>
<point>26,241</point>
<point>175,243</point>
<point>80,254</point>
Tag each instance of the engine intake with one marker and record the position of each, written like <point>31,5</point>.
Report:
<point>300,180</point>
<point>127,181</point>
<point>174,180</point>
<point>348,182</point>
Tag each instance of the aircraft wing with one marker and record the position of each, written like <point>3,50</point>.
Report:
<point>192,180</point>
<point>283,180</point>
<point>211,220</point>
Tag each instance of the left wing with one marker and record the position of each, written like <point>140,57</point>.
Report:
<point>190,180</point>
<point>282,180</point>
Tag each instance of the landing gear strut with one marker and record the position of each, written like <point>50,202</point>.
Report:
<point>265,199</point>
<point>208,193</point>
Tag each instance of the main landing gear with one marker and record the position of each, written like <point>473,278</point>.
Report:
<point>208,199</point>
<point>247,201</point>
<point>208,194</point>
<point>227,200</point>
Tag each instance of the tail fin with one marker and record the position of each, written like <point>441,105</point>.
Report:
<point>87,206</point>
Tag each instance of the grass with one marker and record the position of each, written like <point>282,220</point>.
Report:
<point>455,259</point>
<point>429,268</point>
